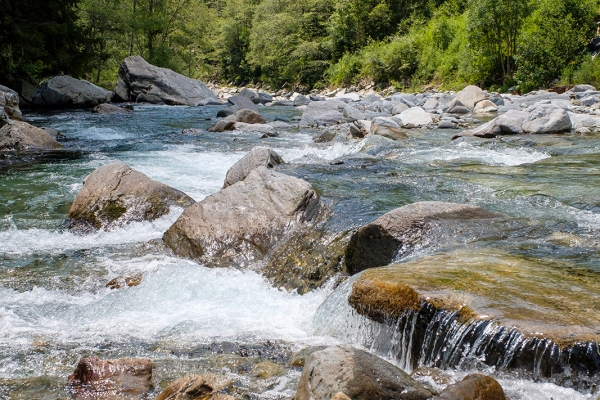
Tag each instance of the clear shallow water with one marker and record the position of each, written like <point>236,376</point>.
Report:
<point>54,304</point>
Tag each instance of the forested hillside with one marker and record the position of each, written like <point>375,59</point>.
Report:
<point>307,43</point>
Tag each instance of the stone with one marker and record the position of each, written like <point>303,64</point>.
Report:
<point>532,99</point>
<point>348,96</point>
<point>138,78</point>
<point>240,103</point>
<point>225,112</point>
<point>240,224</point>
<point>9,101</point>
<point>301,100</point>
<point>125,378</point>
<point>67,92</point>
<point>473,387</point>
<point>257,157</point>
<point>510,123</point>
<point>357,374</point>
<point>284,103</point>
<point>150,98</point>
<point>447,124</point>
<point>323,113</point>
<point>399,108</point>
<point>547,120</point>
<point>114,195</point>
<point>20,137</point>
<point>246,116</point>
<point>222,126</point>
<point>26,89</point>
<point>457,107</point>
<point>264,98</point>
<point>209,101</point>
<point>589,101</point>
<point>470,96</point>
<point>195,387</point>
<point>379,242</point>
<point>299,359</point>
<point>261,128</point>
<point>124,281</point>
<point>583,88</point>
<point>353,113</point>
<point>485,106</point>
<point>431,104</point>
<point>416,116</point>
<point>106,108</point>
<point>357,130</point>
<point>266,369</point>
<point>250,95</point>
<point>387,127</point>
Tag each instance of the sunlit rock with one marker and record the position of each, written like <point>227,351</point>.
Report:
<point>320,113</point>
<point>470,96</point>
<point>473,387</point>
<point>257,157</point>
<point>114,195</point>
<point>192,387</point>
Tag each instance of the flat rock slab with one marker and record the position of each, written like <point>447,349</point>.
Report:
<point>67,92</point>
<point>140,81</point>
<point>240,224</point>
<point>378,243</point>
<point>115,194</point>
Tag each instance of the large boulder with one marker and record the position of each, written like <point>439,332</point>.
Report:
<point>358,375</point>
<point>416,116</point>
<point>125,378</point>
<point>379,242</point>
<point>320,113</point>
<point>9,101</point>
<point>509,123</point>
<point>20,137</point>
<point>470,96</point>
<point>387,127</point>
<point>240,224</point>
<point>241,103</point>
<point>549,119</point>
<point>140,81</point>
<point>114,195</point>
<point>196,387</point>
<point>473,387</point>
<point>67,92</point>
<point>250,95</point>
<point>257,157</point>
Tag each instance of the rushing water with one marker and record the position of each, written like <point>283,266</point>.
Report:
<point>55,307</point>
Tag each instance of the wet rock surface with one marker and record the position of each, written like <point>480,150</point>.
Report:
<point>358,375</point>
<point>115,194</point>
<point>196,387</point>
<point>473,387</point>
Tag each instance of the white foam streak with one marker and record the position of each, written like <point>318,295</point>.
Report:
<point>310,153</point>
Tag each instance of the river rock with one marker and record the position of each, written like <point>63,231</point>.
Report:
<point>473,387</point>
<point>399,108</point>
<point>193,387</point>
<point>238,225</point>
<point>457,107</point>
<point>139,78</point>
<point>125,378</point>
<point>319,113</point>
<point>379,242</point>
<point>257,157</point>
<point>222,126</point>
<point>470,96</point>
<point>301,100</point>
<point>114,195</point>
<point>264,98</point>
<point>9,101</point>
<point>67,92</point>
<point>20,137</point>
<point>353,113</point>
<point>247,116</point>
<point>387,127</point>
<point>260,128</point>
<point>357,374</point>
<point>582,88</point>
<point>26,89</point>
<point>547,120</point>
<point>416,116</point>
<point>250,95</point>
<point>110,109</point>
<point>485,106</point>
<point>240,103</point>
<point>509,123</point>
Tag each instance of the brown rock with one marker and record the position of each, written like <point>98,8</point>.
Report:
<point>222,126</point>
<point>20,137</point>
<point>473,387</point>
<point>247,116</point>
<point>124,281</point>
<point>106,108</point>
<point>195,387</point>
<point>340,396</point>
<point>115,194</point>
<point>266,369</point>
<point>125,378</point>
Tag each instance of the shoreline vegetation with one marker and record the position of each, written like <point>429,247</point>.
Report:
<point>308,44</point>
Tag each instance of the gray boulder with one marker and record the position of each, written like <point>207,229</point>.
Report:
<point>264,98</point>
<point>9,102</point>
<point>322,113</point>
<point>67,92</point>
<point>470,96</point>
<point>240,224</point>
<point>20,137</point>
<point>358,375</point>
<point>399,108</point>
<point>114,195</point>
<point>583,88</point>
<point>457,107</point>
<point>379,243</point>
<point>257,157</point>
<point>547,120</point>
<point>250,95</point>
<point>510,123</point>
<point>387,127</point>
<point>137,77</point>
<point>25,89</point>
<point>241,103</point>
<point>416,116</point>
<point>110,109</point>
<point>533,99</point>
<point>301,100</point>
<point>353,113</point>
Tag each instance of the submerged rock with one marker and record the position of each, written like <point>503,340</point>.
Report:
<point>21,138</point>
<point>67,92</point>
<point>473,387</point>
<point>358,375</point>
<point>125,378</point>
<point>140,81</point>
<point>115,194</point>
<point>240,224</point>
<point>192,387</point>
<point>379,242</point>
<point>257,157</point>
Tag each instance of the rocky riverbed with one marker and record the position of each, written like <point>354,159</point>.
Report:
<point>450,234</point>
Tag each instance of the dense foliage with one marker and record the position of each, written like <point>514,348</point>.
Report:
<point>306,43</point>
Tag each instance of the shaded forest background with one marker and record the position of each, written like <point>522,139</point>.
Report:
<point>307,43</point>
